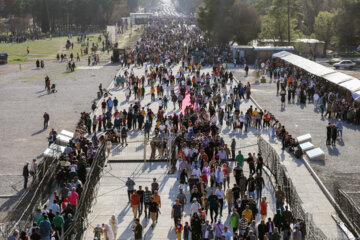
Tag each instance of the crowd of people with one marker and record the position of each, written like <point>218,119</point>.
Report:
<point>330,99</point>
<point>208,102</point>
<point>203,166</point>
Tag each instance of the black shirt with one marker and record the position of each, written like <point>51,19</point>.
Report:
<point>35,236</point>
<point>141,194</point>
<point>153,207</point>
<point>236,192</point>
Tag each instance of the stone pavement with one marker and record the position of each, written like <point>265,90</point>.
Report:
<point>313,199</point>
<point>112,198</point>
<point>112,195</point>
<point>341,165</point>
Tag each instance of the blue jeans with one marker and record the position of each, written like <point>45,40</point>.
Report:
<point>339,132</point>
<point>258,193</point>
<point>280,205</point>
<point>140,207</point>
<point>251,194</point>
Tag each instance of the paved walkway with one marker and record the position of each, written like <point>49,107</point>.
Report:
<point>313,198</point>
<point>112,199</point>
<point>341,164</point>
<point>112,195</point>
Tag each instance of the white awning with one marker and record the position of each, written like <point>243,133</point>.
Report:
<point>353,85</point>
<point>329,74</point>
<point>338,77</point>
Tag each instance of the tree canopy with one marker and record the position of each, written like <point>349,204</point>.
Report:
<point>226,21</point>
<point>48,14</point>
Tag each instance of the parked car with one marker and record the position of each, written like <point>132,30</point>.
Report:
<point>3,58</point>
<point>345,64</point>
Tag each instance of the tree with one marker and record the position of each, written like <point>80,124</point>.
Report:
<point>281,21</point>
<point>324,27</point>
<point>45,19</point>
<point>348,23</point>
<point>247,22</point>
<point>310,9</point>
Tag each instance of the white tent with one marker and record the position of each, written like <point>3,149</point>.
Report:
<point>306,64</point>
<point>338,78</point>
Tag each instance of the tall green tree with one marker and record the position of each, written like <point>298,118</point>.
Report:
<point>348,23</point>
<point>215,20</point>
<point>281,21</point>
<point>324,27</point>
<point>45,19</point>
<point>247,22</point>
<point>310,10</point>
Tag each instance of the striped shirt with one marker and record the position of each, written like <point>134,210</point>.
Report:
<point>147,196</point>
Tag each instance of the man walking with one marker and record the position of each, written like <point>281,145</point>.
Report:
<point>233,147</point>
<point>140,192</point>
<point>153,208</point>
<point>214,206</point>
<point>26,174</point>
<point>46,120</point>
<point>130,185</point>
<point>280,197</point>
<point>138,229</point>
<point>176,212</point>
<point>147,196</point>
<point>135,200</point>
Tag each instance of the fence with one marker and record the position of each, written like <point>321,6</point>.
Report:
<point>21,214</point>
<point>87,198</point>
<point>349,207</point>
<point>272,162</point>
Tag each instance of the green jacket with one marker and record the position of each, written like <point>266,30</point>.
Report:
<point>234,220</point>
<point>58,221</point>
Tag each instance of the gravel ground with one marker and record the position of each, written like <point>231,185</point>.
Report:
<point>23,102</point>
<point>341,164</point>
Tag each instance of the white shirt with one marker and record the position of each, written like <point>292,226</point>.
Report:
<point>219,193</point>
<point>196,172</point>
<point>194,208</point>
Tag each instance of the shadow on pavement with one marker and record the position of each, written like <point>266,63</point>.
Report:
<point>38,132</point>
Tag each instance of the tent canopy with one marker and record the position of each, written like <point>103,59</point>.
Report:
<point>338,78</point>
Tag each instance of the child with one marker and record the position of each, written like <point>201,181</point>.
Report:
<point>98,231</point>
<point>263,208</point>
<point>187,230</point>
<point>178,229</point>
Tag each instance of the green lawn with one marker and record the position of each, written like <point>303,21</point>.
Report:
<point>42,49</point>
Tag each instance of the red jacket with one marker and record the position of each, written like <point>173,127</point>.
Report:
<point>135,199</point>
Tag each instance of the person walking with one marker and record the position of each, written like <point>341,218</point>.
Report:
<point>46,117</point>
<point>147,196</point>
<point>233,147</point>
<point>138,230</point>
<point>58,223</point>
<point>153,209</point>
<point>176,212</point>
<point>339,126</point>
<point>26,174</point>
<point>140,192</point>
<point>259,184</point>
<point>45,228</point>
<point>178,229</point>
<point>130,187</point>
<point>280,197</point>
<point>328,134</point>
<point>135,201</point>
<point>214,206</point>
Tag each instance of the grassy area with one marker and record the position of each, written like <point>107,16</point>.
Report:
<point>41,49</point>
